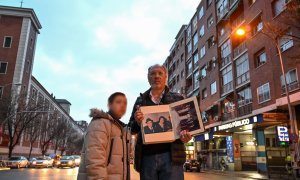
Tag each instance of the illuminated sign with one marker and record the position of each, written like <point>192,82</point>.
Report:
<point>234,124</point>
<point>283,134</point>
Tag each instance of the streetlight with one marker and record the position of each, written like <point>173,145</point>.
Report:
<point>242,32</point>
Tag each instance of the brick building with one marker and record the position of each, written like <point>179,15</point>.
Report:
<point>239,83</point>
<point>19,28</point>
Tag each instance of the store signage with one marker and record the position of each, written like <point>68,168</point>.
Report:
<point>234,124</point>
<point>282,134</point>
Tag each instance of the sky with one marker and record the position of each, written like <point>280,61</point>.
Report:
<point>88,49</point>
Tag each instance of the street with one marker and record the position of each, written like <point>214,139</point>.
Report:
<point>71,174</point>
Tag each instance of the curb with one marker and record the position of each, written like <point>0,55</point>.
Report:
<point>234,175</point>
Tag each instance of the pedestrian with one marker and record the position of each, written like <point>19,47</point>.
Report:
<point>223,164</point>
<point>105,150</point>
<point>200,161</point>
<point>162,161</point>
<point>288,161</point>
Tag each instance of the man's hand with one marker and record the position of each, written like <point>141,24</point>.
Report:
<point>138,115</point>
<point>185,136</point>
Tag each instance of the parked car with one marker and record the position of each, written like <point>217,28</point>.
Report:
<point>191,165</point>
<point>17,162</point>
<point>42,162</point>
<point>66,161</point>
<point>77,160</point>
<point>31,160</point>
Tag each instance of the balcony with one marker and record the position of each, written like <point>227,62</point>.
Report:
<point>244,78</point>
<point>189,72</point>
<point>225,60</point>
<point>222,13</point>
<point>291,87</point>
<point>227,87</point>
<point>228,116</point>
<point>239,49</point>
<point>237,22</point>
<point>244,110</point>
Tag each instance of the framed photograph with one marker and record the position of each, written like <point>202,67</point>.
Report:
<point>164,123</point>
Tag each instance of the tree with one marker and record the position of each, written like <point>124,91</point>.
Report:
<point>17,115</point>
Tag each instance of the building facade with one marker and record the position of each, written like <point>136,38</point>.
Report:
<point>239,83</point>
<point>19,28</point>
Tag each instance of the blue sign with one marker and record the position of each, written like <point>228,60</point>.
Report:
<point>230,148</point>
<point>283,134</point>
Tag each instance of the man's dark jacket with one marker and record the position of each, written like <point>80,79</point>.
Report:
<point>177,147</point>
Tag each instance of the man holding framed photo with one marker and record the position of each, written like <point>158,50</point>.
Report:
<point>161,161</point>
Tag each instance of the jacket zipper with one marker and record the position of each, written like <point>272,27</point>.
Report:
<point>110,151</point>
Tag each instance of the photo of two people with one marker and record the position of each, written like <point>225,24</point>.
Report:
<point>157,123</point>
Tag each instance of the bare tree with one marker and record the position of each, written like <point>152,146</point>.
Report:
<point>17,115</point>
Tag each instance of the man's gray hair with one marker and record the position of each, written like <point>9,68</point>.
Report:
<point>157,66</point>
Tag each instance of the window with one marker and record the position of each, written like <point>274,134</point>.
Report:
<point>182,74</point>
<point>251,2</point>
<point>242,69</point>
<point>227,79</point>
<point>181,58</point>
<point>1,91</point>
<point>3,67</point>
<point>195,21</point>
<point>278,6</point>
<point>195,41</point>
<point>189,33</point>
<point>203,72</point>
<point>225,53</point>
<point>213,88</point>
<point>201,12</point>
<point>291,80</point>
<point>196,60</point>
<point>222,8</point>
<point>204,93</point>
<point>263,93</point>
<point>189,49</point>
<point>201,31</point>
<point>177,78</point>
<point>285,43</point>
<point>256,25</point>
<point>7,42</point>
<point>260,58</point>
<point>208,3</point>
<point>211,41</point>
<point>202,52</point>
<point>244,97</point>
<point>190,67</point>
<point>210,21</point>
<point>196,79</point>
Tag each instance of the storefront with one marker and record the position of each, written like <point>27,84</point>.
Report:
<point>245,144</point>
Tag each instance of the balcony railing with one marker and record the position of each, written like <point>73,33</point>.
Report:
<point>189,90</point>
<point>227,87</point>
<point>243,78</point>
<point>244,110</point>
<point>291,86</point>
<point>223,12</point>
<point>239,49</point>
<point>189,72</point>
<point>228,116</point>
<point>226,60</point>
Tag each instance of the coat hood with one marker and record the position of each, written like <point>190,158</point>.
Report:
<point>98,113</point>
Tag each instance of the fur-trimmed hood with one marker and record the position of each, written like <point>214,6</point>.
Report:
<point>98,113</point>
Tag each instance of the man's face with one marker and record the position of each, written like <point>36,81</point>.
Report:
<point>149,124</point>
<point>157,78</point>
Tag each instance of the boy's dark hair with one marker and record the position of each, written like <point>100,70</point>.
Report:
<point>114,95</point>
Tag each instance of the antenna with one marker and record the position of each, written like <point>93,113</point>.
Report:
<point>22,2</point>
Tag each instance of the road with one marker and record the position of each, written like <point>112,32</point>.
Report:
<point>71,174</point>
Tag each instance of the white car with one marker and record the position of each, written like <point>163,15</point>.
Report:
<point>17,162</point>
<point>77,160</point>
<point>42,162</point>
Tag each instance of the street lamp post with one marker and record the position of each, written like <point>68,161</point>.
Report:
<point>292,123</point>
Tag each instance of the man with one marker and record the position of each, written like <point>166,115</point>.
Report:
<point>158,161</point>
<point>149,128</point>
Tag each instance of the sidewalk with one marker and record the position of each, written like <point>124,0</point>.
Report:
<point>241,174</point>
